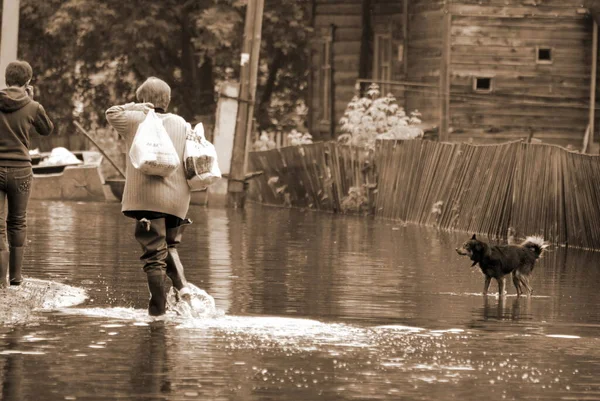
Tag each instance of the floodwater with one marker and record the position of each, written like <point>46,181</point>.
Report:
<point>310,306</point>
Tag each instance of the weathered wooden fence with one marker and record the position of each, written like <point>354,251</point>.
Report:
<point>525,189</point>
<point>318,176</point>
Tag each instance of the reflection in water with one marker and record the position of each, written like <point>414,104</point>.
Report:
<point>220,257</point>
<point>316,306</point>
<point>12,367</point>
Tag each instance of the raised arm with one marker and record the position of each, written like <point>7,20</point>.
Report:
<point>121,116</point>
<point>42,123</point>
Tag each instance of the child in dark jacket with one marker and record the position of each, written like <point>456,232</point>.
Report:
<point>19,116</point>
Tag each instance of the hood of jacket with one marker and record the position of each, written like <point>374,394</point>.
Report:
<point>13,98</point>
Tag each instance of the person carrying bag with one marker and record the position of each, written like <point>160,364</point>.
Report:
<point>159,201</point>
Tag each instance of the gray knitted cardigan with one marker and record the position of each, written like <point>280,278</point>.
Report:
<point>170,194</point>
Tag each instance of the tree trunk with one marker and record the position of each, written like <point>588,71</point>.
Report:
<point>265,99</point>
<point>196,88</point>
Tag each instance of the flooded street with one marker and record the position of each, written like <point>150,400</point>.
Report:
<point>311,306</point>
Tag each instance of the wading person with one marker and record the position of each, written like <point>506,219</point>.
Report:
<point>20,115</point>
<point>158,204</point>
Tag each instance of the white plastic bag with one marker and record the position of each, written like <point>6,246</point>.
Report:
<point>152,151</point>
<point>200,160</point>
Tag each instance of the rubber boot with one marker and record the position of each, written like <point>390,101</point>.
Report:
<point>174,265</point>
<point>4,262</point>
<point>151,234</point>
<point>158,297</point>
<point>16,262</point>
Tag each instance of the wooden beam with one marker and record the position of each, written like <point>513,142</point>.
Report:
<point>444,103</point>
<point>405,33</point>
<point>10,36</point>
<point>593,79</point>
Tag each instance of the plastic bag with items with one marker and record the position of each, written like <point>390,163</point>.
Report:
<point>200,159</point>
<point>152,151</point>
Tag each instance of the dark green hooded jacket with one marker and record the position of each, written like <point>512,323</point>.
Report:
<point>19,116</point>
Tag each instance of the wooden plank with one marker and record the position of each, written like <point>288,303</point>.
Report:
<point>342,21</point>
<point>518,23</point>
<point>520,41</point>
<point>342,8</point>
<point>514,11</point>
<point>593,74</point>
<point>481,118</point>
<point>533,3</point>
<point>508,110</point>
<point>405,31</point>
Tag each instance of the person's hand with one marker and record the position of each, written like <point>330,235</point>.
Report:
<point>29,91</point>
<point>145,107</point>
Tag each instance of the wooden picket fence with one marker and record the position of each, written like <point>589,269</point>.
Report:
<point>517,188</point>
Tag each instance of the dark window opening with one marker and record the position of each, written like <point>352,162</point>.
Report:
<point>544,55</point>
<point>482,84</point>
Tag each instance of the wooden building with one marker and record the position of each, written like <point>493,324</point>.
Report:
<point>481,70</point>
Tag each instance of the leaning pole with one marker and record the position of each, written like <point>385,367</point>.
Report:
<point>10,35</point>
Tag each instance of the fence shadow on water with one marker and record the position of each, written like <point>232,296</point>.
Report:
<point>511,189</point>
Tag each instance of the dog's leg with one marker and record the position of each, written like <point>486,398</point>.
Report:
<point>486,285</point>
<point>501,285</point>
<point>517,284</point>
<point>525,281</point>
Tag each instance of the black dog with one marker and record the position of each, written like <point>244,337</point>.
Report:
<point>497,261</point>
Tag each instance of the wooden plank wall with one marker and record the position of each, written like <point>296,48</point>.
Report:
<point>424,55</point>
<point>499,39</point>
<point>346,16</point>
<point>388,15</point>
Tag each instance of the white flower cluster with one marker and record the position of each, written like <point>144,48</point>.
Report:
<point>375,117</point>
<point>263,143</point>
<point>298,138</point>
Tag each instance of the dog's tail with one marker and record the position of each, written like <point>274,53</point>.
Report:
<point>535,244</point>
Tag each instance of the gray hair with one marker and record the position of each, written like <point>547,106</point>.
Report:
<point>155,91</point>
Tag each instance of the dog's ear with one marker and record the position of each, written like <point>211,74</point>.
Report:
<point>473,237</point>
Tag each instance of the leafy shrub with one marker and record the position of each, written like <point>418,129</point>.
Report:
<point>355,202</point>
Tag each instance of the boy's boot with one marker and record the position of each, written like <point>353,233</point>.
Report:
<point>16,262</point>
<point>151,234</point>
<point>4,261</point>
<point>174,265</point>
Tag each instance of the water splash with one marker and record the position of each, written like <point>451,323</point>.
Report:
<point>19,303</point>
<point>200,305</point>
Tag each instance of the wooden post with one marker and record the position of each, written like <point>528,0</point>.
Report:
<point>593,78</point>
<point>445,77</point>
<point>332,84</point>
<point>310,120</point>
<point>255,56</point>
<point>405,33</point>
<point>249,58</point>
<point>10,36</point>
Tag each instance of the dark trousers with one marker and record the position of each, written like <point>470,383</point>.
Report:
<point>15,188</point>
<point>160,233</point>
